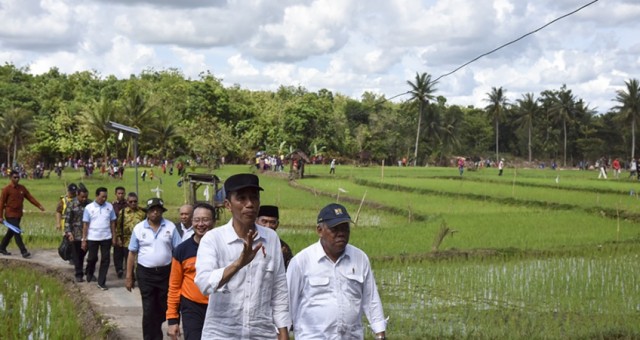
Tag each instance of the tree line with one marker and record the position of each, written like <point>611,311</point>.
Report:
<point>54,116</point>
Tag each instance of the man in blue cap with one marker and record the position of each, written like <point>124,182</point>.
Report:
<point>331,284</point>
<point>240,267</point>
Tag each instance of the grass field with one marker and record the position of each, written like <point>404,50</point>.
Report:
<point>534,253</point>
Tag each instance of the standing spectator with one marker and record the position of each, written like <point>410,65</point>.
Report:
<point>331,284</point>
<point>11,208</point>
<point>151,245</point>
<point>633,169</point>
<point>128,217</point>
<point>240,267</point>
<point>98,232</point>
<point>73,229</point>
<point>616,168</point>
<point>461,165</point>
<point>118,247</point>
<point>63,202</point>
<point>184,296</point>
<point>269,216</point>
<point>332,167</point>
<point>602,165</point>
<point>185,229</point>
<point>501,166</point>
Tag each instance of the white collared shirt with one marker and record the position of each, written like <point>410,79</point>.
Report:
<point>186,232</point>
<point>253,304</point>
<point>154,248</point>
<point>99,218</point>
<point>327,299</point>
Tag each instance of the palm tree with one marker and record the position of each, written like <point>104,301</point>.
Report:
<point>421,91</point>
<point>527,109</point>
<point>17,125</point>
<point>563,108</point>
<point>94,119</point>
<point>165,131</point>
<point>496,110</point>
<point>630,108</point>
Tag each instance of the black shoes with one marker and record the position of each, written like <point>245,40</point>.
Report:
<point>4,252</point>
<point>26,255</point>
<point>120,274</point>
<point>103,287</point>
<point>79,279</point>
<point>91,278</point>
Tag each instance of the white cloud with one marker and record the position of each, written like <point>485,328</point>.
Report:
<point>346,46</point>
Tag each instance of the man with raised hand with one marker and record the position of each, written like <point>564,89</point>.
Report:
<point>331,284</point>
<point>240,267</point>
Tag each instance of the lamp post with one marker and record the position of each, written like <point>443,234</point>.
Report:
<point>131,131</point>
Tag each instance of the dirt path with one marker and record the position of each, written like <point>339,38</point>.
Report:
<point>121,308</point>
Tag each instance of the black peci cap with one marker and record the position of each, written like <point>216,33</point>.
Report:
<point>269,210</point>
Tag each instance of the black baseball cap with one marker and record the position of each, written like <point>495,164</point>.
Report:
<point>334,214</point>
<point>72,187</point>
<point>241,181</point>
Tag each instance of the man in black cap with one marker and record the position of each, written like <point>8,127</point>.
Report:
<point>331,284</point>
<point>151,246</point>
<point>63,202</point>
<point>269,217</point>
<point>240,267</point>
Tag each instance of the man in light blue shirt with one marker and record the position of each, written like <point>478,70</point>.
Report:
<point>151,246</point>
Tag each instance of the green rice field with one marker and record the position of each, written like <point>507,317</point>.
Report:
<point>533,254</point>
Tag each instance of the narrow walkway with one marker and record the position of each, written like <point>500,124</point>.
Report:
<point>123,309</point>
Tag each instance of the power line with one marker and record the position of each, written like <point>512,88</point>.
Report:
<point>516,40</point>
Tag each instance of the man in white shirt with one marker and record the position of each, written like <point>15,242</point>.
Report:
<point>185,229</point>
<point>151,246</point>
<point>331,284</point>
<point>98,231</point>
<point>240,267</point>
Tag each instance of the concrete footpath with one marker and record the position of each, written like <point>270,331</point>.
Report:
<point>121,308</point>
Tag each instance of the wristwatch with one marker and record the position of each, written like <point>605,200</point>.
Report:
<point>380,337</point>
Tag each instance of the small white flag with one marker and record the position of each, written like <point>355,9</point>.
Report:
<point>206,193</point>
<point>342,190</point>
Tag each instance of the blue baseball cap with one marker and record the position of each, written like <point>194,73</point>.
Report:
<point>334,214</point>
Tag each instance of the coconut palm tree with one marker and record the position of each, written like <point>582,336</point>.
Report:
<point>496,109</point>
<point>17,125</point>
<point>563,108</point>
<point>527,109</point>
<point>94,119</point>
<point>629,108</point>
<point>421,91</point>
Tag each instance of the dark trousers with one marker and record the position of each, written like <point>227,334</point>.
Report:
<point>193,314</point>
<point>78,257</point>
<point>120,258</point>
<point>92,258</point>
<point>154,288</point>
<point>11,234</point>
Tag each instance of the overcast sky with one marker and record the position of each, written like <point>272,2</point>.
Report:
<point>345,46</point>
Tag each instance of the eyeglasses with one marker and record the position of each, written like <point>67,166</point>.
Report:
<point>201,220</point>
<point>133,201</point>
<point>17,177</point>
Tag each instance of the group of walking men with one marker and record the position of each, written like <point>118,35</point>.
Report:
<point>237,281</point>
